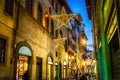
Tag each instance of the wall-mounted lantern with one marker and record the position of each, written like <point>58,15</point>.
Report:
<point>46,15</point>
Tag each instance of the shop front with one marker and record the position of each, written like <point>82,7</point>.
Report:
<point>50,69</point>
<point>64,70</point>
<point>22,62</point>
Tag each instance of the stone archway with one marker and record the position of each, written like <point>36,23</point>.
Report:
<point>49,67</point>
<point>23,59</point>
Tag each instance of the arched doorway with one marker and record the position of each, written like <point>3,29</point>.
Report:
<point>23,60</point>
<point>49,68</point>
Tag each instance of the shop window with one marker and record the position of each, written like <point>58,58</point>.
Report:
<point>9,7</point>
<point>39,13</point>
<point>50,69</point>
<point>29,5</point>
<point>2,50</point>
<point>22,66</point>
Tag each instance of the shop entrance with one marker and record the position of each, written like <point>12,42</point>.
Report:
<point>50,69</point>
<point>23,62</point>
<point>22,66</point>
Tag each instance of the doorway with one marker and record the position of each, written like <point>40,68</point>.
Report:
<point>50,69</point>
<point>56,72</point>
<point>22,66</point>
<point>39,69</point>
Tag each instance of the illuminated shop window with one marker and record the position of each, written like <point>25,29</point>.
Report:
<point>22,66</point>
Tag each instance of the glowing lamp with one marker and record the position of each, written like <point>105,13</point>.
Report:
<point>46,15</point>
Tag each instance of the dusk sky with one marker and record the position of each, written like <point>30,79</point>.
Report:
<point>79,7</point>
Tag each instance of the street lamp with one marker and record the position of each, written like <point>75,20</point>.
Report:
<point>46,15</point>
<point>84,41</point>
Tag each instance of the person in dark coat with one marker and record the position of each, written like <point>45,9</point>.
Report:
<point>25,76</point>
<point>83,77</point>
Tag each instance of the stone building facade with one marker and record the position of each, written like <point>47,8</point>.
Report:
<point>105,16</point>
<point>27,34</point>
<point>26,37</point>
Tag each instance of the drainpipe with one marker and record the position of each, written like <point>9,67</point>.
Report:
<point>14,56</point>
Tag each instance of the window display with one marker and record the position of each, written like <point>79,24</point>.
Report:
<point>22,67</point>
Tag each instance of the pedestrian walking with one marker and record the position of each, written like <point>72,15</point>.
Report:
<point>25,76</point>
<point>83,77</point>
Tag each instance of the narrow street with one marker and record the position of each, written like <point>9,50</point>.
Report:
<point>59,40</point>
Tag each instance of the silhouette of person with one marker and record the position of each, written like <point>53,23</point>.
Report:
<point>25,76</point>
<point>83,77</point>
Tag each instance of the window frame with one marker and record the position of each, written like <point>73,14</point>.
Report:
<point>47,23</point>
<point>52,27</point>
<point>39,9</point>
<point>9,5</point>
<point>6,50</point>
<point>30,9</point>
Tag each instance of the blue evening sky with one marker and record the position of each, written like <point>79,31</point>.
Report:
<point>79,7</point>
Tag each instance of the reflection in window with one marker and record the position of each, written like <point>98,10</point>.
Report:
<point>2,50</point>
